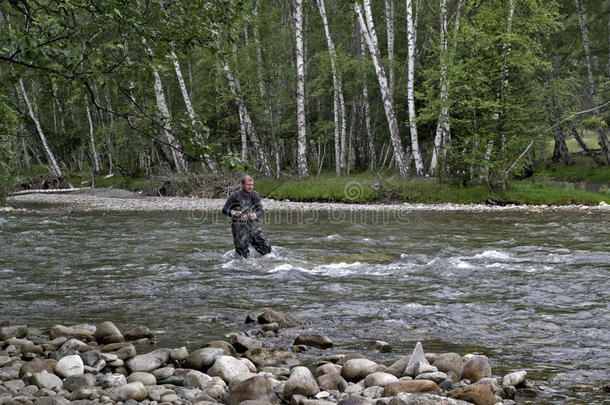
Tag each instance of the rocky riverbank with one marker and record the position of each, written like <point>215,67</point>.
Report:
<point>122,200</point>
<point>88,364</point>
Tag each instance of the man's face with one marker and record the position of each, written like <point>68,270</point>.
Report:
<point>248,186</point>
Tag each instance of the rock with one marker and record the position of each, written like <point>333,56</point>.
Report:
<point>46,380</point>
<point>446,362</point>
<point>357,369</point>
<point>476,367</point>
<point>422,398</point>
<point>227,347</point>
<point>424,367</point>
<point>14,385</point>
<point>436,376</point>
<point>53,400</point>
<point>85,326</point>
<point>134,390</point>
<point>301,382</point>
<point>356,400</point>
<point>71,345</point>
<point>202,359</point>
<point>410,386</point>
<point>342,359</point>
<point>283,320</point>
<point>319,341</point>
<point>268,357</point>
<point>381,346</point>
<point>17,331</point>
<point>139,332</point>
<point>249,364</point>
<point>179,354</point>
<point>331,381</point>
<point>144,378</point>
<point>163,373</point>
<point>70,365</point>
<point>373,392</point>
<point>379,379</point>
<point>243,343</point>
<point>515,378</point>
<point>149,361</point>
<point>398,368</point>
<point>80,334</point>
<point>196,379</point>
<point>91,357</point>
<point>328,368</point>
<point>107,332</point>
<point>252,389</point>
<point>229,369</point>
<point>478,394</point>
<point>417,357</point>
<point>75,382</point>
<point>36,366</point>
<point>111,380</point>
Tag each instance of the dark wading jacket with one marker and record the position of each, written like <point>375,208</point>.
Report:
<point>247,204</point>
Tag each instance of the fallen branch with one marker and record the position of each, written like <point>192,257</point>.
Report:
<point>48,191</point>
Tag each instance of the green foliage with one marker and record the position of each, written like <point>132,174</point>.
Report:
<point>8,124</point>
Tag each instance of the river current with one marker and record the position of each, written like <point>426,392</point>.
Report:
<point>529,290</point>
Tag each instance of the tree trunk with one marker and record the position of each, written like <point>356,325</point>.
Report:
<point>443,128</point>
<point>602,131</point>
<point>54,166</point>
<point>338,100</point>
<point>176,149</point>
<point>368,32</point>
<point>389,18</point>
<point>94,154</point>
<point>245,120</point>
<point>301,124</point>
<point>189,108</point>
<point>411,38</point>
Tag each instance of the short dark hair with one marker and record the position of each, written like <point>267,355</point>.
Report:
<point>245,178</point>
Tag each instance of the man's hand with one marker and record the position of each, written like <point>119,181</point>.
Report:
<point>253,216</point>
<point>237,214</point>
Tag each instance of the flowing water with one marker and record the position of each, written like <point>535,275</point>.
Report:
<point>529,290</point>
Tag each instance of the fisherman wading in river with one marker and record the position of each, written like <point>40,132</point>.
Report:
<point>245,208</point>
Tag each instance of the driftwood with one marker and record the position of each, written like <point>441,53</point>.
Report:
<point>49,191</point>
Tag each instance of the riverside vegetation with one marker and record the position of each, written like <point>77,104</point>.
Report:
<point>86,364</point>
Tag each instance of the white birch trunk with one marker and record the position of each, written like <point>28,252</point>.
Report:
<point>245,121</point>
<point>179,161</point>
<point>602,132</point>
<point>339,103</point>
<point>94,155</point>
<point>368,32</point>
<point>389,18</point>
<point>54,166</point>
<point>301,124</point>
<point>259,54</point>
<point>443,129</point>
<point>411,38</point>
<point>366,112</point>
<point>189,106</point>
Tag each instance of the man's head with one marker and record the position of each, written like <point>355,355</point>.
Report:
<point>247,184</point>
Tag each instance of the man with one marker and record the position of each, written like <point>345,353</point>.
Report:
<point>245,208</point>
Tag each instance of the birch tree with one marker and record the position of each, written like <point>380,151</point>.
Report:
<point>368,32</point>
<point>338,100</point>
<point>411,38</point>
<point>50,156</point>
<point>94,154</point>
<point>443,128</point>
<point>601,130</point>
<point>176,149</point>
<point>301,124</point>
<point>245,120</point>
<point>389,18</point>
<point>366,110</point>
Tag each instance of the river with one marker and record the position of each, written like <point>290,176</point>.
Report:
<point>529,290</point>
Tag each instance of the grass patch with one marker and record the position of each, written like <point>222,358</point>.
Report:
<point>528,192</point>
<point>583,170</point>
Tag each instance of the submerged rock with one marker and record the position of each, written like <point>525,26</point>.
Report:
<point>280,318</point>
<point>319,341</point>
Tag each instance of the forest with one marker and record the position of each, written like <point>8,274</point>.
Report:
<point>466,91</point>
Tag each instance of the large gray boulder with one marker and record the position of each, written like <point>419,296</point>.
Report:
<point>254,389</point>
<point>149,361</point>
<point>107,332</point>
<point>446,362</point>
<point>231,370</point>
<point>202,359</point>
<point>301,382</point>
<point>477,367</point>
<point>357,369</point>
